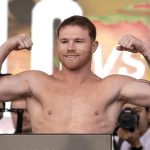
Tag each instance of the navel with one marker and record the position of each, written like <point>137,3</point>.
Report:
<point>96,113</point>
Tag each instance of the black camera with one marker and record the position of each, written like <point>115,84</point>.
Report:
<point>128,119</point>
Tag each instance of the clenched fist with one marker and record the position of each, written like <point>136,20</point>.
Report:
<point>20,42</point>
<point>131,44</point>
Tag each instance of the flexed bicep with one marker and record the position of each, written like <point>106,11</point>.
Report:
<point>137,91</point>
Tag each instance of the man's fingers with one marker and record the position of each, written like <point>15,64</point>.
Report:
<point>21,44</point>
<point>119,48</point>
<point>29,41</point>
<point>27,44</point>
<point>129,49</point>
<point>24,42</point>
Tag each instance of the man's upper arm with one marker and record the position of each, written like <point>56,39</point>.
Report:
<point>13,87</point>
<point>136,91</point>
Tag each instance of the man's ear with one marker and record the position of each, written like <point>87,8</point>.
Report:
<point>94,46</point>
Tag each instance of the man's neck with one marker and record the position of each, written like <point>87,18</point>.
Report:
<point>75,76</point>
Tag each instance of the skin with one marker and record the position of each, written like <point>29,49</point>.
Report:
<point>73,100</point>
<point>134,137</point>
<point>134,45</point>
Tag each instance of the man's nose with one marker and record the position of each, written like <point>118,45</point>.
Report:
<point>71,46</point>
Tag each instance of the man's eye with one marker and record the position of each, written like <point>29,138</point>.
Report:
<point>79,41</point>
<point>64,41</point>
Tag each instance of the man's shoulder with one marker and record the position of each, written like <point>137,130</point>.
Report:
<point>34,75</point>
<point>33,72</point>
<point>117,78</point>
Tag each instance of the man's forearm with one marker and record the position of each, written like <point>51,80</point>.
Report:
<point>132,44</point>
<point>147,58</point>
<point>19,42</point>
<point>4,52</point>
<point>146,52</point>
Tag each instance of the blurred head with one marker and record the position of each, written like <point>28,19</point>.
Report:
<point>144,116</point>
<point>21,104</point>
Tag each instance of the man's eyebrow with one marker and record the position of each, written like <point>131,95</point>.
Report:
<point>63,39</point>
<point>79,39</point>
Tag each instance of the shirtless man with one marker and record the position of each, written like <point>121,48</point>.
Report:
<point>74,99</point>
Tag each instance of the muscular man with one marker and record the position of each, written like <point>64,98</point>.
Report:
<point>74,99</point>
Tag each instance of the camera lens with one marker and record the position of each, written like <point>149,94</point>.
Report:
<point>128,119</point>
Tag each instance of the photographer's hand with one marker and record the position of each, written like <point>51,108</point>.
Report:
<point>132,138</point>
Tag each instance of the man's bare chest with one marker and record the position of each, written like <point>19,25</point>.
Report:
<point>73,102</point>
